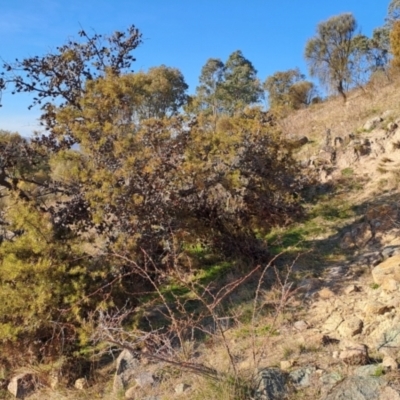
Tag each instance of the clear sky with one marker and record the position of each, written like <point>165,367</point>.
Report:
<point>178,33</point>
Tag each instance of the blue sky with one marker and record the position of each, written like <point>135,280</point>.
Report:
<point>178,33</point>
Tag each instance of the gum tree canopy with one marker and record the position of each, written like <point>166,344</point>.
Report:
<point>328,53</point>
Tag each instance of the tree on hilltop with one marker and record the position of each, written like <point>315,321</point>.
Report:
<point>328,53</point>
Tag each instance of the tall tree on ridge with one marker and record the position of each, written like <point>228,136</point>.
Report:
<point>328,52</point>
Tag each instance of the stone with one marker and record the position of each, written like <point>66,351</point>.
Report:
<point>333,322</point>
<point>81,384</point>
<point>285,365</point>
<point>144,379</point>
<point>351,327</point>
<point>387,114</point>
<point>389,342</point>
<point>351,289</point>
<point>369,370</point>
<point>302,377</point>
<point>181,388</point>
<point>329,380</point>
<point>270,384</point>
<point>389,363</point>
<point>127,365</point>
<point>372,123</point>
<point>376,308</point>
<point>390,251</point>
<point>130,394</point>
<point>22,385</point>
<point>390,285</point>
<point>388,269</point>
<point>353,353</point>
<point>300,325</point>
<point>357,388</point>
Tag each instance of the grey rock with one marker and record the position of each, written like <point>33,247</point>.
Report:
<point>372,123</point>
<point>181,388</point>
<point>368,370</point>
<point>357,388</point>
<point>22,385</point>
<point>127,365</point>
<point>270,384</point>
<point>144,379</point>
<point>331,379</point>
<point>302,377</point>
<point>390,251</point>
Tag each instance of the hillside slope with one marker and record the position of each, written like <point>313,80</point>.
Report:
<point>329,323</point>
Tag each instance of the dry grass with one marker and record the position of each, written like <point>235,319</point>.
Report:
<point>344,118</point>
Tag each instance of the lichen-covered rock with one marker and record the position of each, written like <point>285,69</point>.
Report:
<point>270,384</point>
<point>357,388</point>
<point>127,364</point>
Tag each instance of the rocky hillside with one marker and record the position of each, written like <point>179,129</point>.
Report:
<point>329,326</point>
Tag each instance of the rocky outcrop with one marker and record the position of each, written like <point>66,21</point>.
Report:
<point>127,365</point>
<point>22,385</point>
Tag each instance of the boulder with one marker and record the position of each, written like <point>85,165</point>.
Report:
<point>302,377</point>
<point>353,353</point>
<point>127,365</point>
<point>387,270</point>
<point>270,384</point>
<point>333,322</point>
<point>357,388</point>
<point>372,123</point>
<point>351,327</point>
<point>22,385</point>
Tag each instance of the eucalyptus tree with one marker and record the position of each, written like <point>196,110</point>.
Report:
<point>328,53</point>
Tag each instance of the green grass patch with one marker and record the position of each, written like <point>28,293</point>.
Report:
<point>347,172</point>
<point>333,211</point>
<point>247,331</point>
